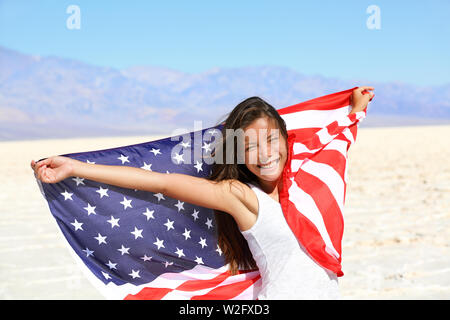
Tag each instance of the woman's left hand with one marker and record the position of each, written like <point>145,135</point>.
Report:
<point>53,169</point>
<point>360,98</point>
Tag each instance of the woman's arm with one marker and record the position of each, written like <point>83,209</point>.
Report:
<point>195,190</point>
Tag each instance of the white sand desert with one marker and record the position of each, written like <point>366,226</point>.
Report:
<point>397,218</point>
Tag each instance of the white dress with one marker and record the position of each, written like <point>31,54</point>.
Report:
<point>287,271</point>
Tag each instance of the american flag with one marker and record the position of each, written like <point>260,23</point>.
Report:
<point>141,245</point>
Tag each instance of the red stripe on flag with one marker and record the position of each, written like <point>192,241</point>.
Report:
<point>313,141</point>
<point>302,134</point>
<point>228,291</point>
<point>149,294</point>
<point>193,285</point>
<point>332,158</point>
<point>328,102</point>
<point>354,130</point>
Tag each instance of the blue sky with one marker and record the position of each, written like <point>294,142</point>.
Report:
<point>328,38</point>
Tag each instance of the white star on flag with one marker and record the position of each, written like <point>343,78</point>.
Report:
<point>77,225</point>
<point>123,159</point>
<point>198,260</point>
<point>90,209</point>
<point>67,195</point>
<point>147,167</point>
<point>149,214</point>
<point>198,166</point>
<point>78,180</point>
<point>155,151</point>
<point>185,144</point>
<point>123,250</point>
<point>169,225</point>
<point>100,239</point>
<point>137,233</point>
<point>159,196</point>
<point>218,250</point>
<point>208,223</point>
<point>114,222</point>
<point>159,243</point>
<point>206,146</point>
<point>202,242</point>
<point>126,203</point>
<point>187,233</point>
<point>145,258</point>
<point>102,192</point>
<point>195,214</point>
<point>179,252</point>
<point>88,252</point>
<point>134,274</point>
<point>178,158</point>
<point>179,205</point>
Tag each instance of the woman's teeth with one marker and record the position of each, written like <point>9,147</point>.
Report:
<point>270,164</point>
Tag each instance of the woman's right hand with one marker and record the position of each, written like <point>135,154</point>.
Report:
<point>53,169</point>
<point>360,98</point>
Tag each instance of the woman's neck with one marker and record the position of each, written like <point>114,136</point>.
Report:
<point>272,188</point>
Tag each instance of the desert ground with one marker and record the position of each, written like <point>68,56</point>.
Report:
<point>397,218</point>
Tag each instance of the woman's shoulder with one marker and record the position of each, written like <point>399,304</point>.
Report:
<point>244,208</point>
<point>244,193</point>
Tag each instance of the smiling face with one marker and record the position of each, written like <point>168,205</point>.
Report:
<point>265,149</point>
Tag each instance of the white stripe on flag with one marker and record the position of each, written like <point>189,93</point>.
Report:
<point>296,164</point>
<point>328,176</point>
<point>338,145</point>
<point>299,147</point>
<point>324,136</point>
<point>170,280</point>
<point>180,295</point>
<point>313,118</point>
<point>344,122</point>
<point>348,134</point>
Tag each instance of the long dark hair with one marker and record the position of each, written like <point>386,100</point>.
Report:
<point>233,245</point>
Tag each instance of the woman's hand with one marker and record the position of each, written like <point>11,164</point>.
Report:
<point>360,98</point>
<point>53,169</point>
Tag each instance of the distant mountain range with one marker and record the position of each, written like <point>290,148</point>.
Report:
<point>52,97</point>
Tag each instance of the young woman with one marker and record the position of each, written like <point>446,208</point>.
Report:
<point>252,231</point>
